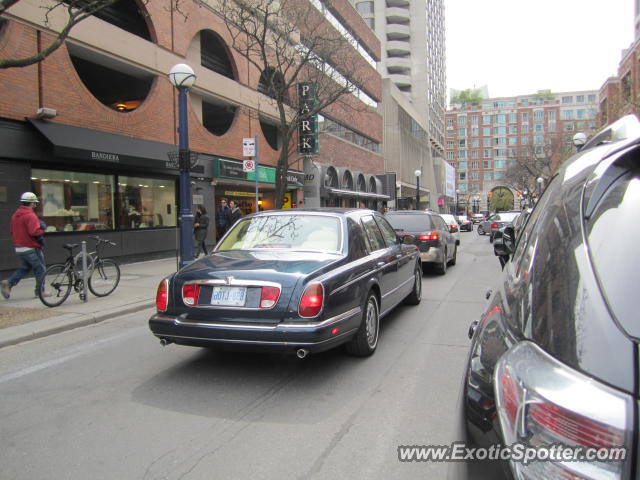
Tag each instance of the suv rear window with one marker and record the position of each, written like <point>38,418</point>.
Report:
<point>407,222</point>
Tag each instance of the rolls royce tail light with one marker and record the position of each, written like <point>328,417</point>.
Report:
<point>190,294</point>
<point>311,300</point>
<point>269,297</point>
<point>543,402</point>
<point>162,295</point>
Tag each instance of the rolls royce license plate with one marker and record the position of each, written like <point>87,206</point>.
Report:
<point>229,296</point>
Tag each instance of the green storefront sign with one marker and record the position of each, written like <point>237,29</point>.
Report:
<point>223,168</point>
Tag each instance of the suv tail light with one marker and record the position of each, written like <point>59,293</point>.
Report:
<point>429,236</point>
<point>494,225</point>
<point>311,300</point>
<point>269,297</point>
<point>162,295</point>
<point>542,402</point>
<point>190,292</point>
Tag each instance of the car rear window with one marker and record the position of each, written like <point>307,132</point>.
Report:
<point>297,232</point>
<point>410,223</point>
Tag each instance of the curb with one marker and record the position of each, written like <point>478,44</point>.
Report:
<point>63,323</point>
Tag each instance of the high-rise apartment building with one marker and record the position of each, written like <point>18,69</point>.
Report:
<point>412,42</point>
<point>483,140</point>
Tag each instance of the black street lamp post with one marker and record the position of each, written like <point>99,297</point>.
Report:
<point>182,77</point>
<point>457,202</point>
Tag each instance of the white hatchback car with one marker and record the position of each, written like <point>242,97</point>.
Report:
<point>452,223</point>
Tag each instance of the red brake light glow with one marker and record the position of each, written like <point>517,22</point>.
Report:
<point>429,236</point>
<point>269,297</point>
<point>190,294</point>
<point>311,301</point>
<point>162,296</point>
<point>494,225</point>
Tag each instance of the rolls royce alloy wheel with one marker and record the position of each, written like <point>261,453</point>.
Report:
<point>365,341</point>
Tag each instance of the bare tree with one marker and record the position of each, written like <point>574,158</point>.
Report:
<point>290,42</point>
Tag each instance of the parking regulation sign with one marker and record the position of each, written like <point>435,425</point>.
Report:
<point>248,166</point>
<point>248,147</point>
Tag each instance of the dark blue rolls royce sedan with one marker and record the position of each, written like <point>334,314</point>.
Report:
<point>292,280</point>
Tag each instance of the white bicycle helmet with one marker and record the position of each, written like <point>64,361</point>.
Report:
<point>29,197</point>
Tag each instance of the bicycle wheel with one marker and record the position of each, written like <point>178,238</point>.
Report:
<point>56,285</point>
<point>105,277</point>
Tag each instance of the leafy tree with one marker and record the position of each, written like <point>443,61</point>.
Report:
<point>467,97</point>
<point>501,199</point>
<point>290,43</point>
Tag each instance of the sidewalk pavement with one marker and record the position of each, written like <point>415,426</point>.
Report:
<point>136,291</point>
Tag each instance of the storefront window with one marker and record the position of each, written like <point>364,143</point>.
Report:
<point>146,202</point>
<point>73,201</point>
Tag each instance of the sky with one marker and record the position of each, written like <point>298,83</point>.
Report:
<point>518,47</point>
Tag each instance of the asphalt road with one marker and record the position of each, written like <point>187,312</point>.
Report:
<point>108,402</point>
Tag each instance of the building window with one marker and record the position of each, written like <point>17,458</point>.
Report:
<point>567,99</point>
<point>475,165</point>
<point>500,141</point>
<point>486,153</point>
<point>486,142</point>
<point>474,120</point>
<point>512,118</point>
<point>498,175</point>
<point>626,86</point>
<point>462,132</point>
<point>462,176</point>
<point>474,153</point>
<point>486,131</point>
<point>365,7</point>
<point>487,164</point>
<point>462,143</point>
<point>146,202</point>
<point>449,122</point>
<point>488,176</point>
<point>567,115</point>
<point>538,139</point>
<point>486,119</point>
<point>462,121</point>
<point>524,140</point>
<point>462,165</point>
<point>513,129</point>
<point>525,117</point>
<point>551,115</point>
<point>538,127</point>
<point>500,131</point>
<point>475,175</point>
<point>475,143</point>
<point>450,155</point>
<point>475,131</point>
<point>449,144</point>
<point>568,127</point>
<point>500,118</point>
<point>524,129</point>
<point>497,164</point>
<point>538,115</point>
<point>73,201</point>
<point>214,55</point>
<point>591,98</point>
<point>462,154</point>
<point>78,201</point>
<point>579,98</point>
<point>513,141</point>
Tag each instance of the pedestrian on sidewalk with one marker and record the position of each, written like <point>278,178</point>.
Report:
<point>234,214</point>
<point>26,233</point>
<point>200,227</point>
<point>221,218</point>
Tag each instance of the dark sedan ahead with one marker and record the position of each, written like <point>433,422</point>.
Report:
<point>292,280</point>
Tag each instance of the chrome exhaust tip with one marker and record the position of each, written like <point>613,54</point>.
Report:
<point>164,342</point>
<point>302,352</point>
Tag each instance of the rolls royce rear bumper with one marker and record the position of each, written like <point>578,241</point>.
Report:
<point>312,336</point>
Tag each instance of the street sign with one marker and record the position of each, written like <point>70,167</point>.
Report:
<point>248,147</point>
<point>248,166</point>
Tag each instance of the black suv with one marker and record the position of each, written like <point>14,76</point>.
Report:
<point>555,358</point>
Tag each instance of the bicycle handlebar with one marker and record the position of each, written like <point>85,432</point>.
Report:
<point>102,240</point>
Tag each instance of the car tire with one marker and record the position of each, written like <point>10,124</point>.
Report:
<point>416,293</point>
<point>480,230</point>
<point>442,267</point>
<point>365,340</point>
<point>454,259</point>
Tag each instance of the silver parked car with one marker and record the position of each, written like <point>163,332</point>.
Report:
<point>432,236</point>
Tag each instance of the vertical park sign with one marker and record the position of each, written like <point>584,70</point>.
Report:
<point>308,134</point>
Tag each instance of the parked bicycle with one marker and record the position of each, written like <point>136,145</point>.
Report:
<point>103,275</point>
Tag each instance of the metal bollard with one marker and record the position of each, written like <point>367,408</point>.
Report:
<point>85,280</point>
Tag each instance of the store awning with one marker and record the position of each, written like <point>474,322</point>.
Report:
<point>87,144</point>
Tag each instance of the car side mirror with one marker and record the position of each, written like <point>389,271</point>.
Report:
<point>408,239</point>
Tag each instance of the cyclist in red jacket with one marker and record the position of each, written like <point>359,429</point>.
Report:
<point>26,233</point>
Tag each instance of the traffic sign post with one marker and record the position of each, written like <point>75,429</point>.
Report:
<point>250,149</point>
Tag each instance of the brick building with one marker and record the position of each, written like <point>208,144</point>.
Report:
<point>90,127</point>
<point>483,140</point>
